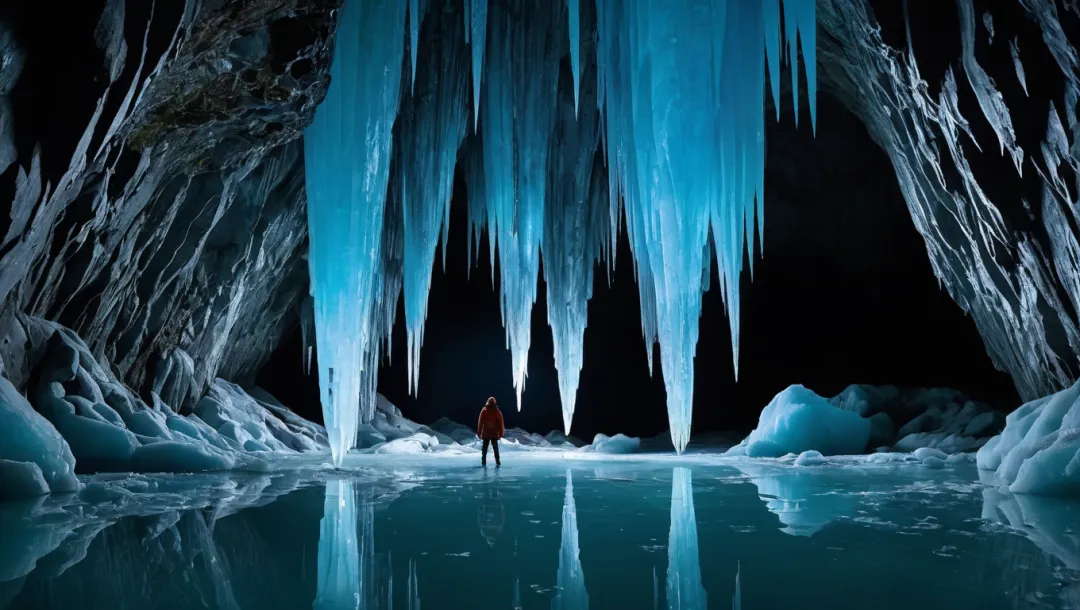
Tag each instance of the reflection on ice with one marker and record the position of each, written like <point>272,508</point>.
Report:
<point>339,550</point>
<point>736,601</point>
<point>571,593</point>
<point>684,589</point>
<point>798,498</point>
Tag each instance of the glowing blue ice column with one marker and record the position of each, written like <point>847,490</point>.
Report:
<point>684,588</point>
<point>433,122</point>
<point>519,100</point>
<point>347,157</point>
<point>571,593</point>
<point>685,148</point>
<point>576,225</point>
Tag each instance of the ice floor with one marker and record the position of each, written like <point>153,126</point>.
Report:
<point>544,531</point>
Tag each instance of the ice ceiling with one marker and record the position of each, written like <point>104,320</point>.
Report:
<point>654,126</point>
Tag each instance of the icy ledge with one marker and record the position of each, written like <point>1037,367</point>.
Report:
<point>83,419</point>
<point>1039,450</point>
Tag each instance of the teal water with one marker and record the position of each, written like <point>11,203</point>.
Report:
<point>544,532</point>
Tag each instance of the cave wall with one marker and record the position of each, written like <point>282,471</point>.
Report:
<point>999,221</point>
<point>171,234</point>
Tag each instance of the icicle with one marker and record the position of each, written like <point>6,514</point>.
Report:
<point>476,36</point>
<point>519,111</point>
<point>576,220</point>
<point>348,150</point>
<point>432,125</point>
<point>574,18</point>
<point>685,153</point>
<point>684,588</point>
<point>570,583</point>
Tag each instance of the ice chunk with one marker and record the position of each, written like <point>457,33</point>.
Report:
<point>416,443</point>
<point>19,480</point>
<point>620,443</point>
<point>570,581</point>
<point>347,151</point>
<point>1039,450</point>
<point>798,420</point>
<point>809,458</point>
<point>171,456</point>
<point>933,462</point>
<point>26,436</point>
<point>926,452</point>
<point>684,588</point>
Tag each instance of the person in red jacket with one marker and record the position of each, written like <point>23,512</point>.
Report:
<point>490,429</point>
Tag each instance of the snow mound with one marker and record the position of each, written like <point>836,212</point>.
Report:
<point>798,420</point>
<point>1039,450</point>
<point>618,444</point>
<point>809,458</point>
<point>32,452</point>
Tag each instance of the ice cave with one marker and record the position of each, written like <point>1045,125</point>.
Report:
<point>746,306</point>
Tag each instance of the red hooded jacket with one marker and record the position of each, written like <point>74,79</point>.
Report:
<point>490,424</point>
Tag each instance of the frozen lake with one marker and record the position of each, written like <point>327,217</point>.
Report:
<point>544,531</point>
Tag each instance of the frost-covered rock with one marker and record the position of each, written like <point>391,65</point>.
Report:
<point>1039,450</point>
<point>798,420</point>
<point>460,433</point>
<point>31,450</point>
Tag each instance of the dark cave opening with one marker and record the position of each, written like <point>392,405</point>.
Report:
<point>844,294</point>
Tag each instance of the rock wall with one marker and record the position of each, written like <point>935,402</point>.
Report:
<point>172,237</point>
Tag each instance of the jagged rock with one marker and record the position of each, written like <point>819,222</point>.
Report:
<point>173,240</point>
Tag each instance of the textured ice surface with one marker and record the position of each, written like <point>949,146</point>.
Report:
<point>386,528</point>
<point>347,159</point>
<point>798,420</point>
<point>1039,450</point>
<point>30,449</point>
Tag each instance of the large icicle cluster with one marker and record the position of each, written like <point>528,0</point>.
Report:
<point>685,150</point>
<point>583,113</point>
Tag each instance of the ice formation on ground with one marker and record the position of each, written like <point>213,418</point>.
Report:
<point>86,420</point>
<point>531,171</point>
<point>1039,450</point>
<point>863,417</point>
<point>798,420</point>
<point>684,588</point>
<point>570,582</point>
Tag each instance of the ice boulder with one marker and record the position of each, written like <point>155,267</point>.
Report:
<point>416,443</point>
<point>620,443</point>
<point>1039,450</point>
<point>28,442</point>
<point>460,434</point>
<point>798,420</point>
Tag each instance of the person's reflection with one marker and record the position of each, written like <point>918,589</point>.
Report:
<point>491,516</point>
<point>684,589</point>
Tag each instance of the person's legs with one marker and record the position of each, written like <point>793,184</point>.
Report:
<point>483,453</point>
<point>495,448</point>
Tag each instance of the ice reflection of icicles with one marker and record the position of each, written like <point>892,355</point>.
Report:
<point>571,580</point>
<point>339,585</point>
<point>414,587</point>
<point>736,601</point>
<point>517,594</point>
<point>684,589</point>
